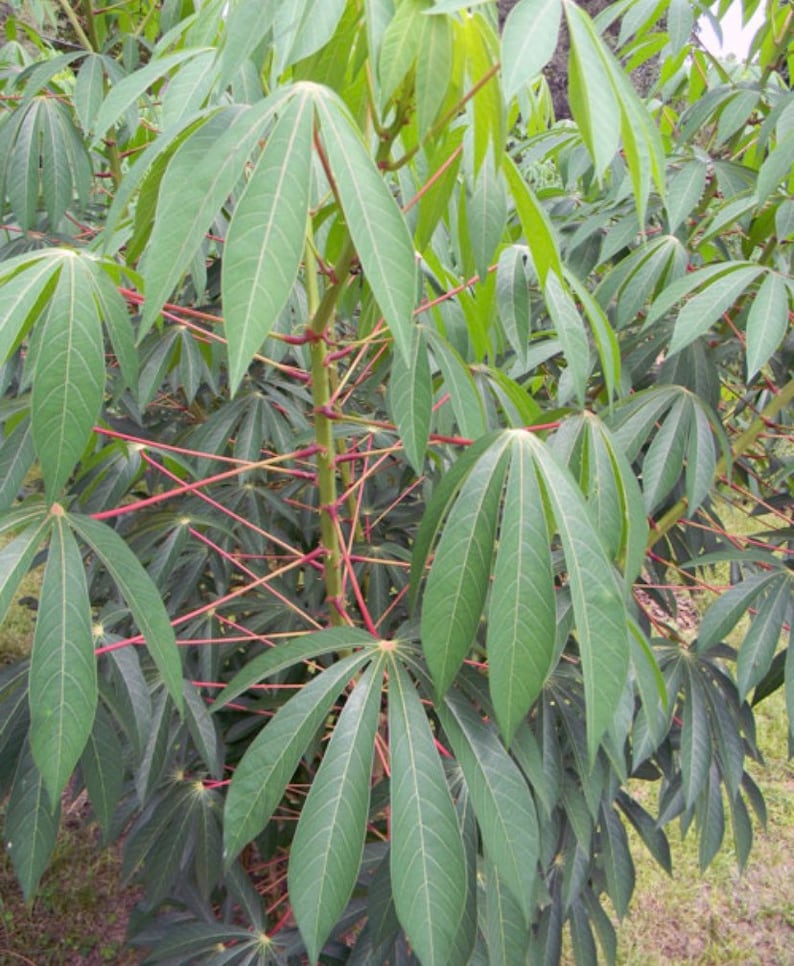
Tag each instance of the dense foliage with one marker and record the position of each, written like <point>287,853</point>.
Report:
<point>387,413</point>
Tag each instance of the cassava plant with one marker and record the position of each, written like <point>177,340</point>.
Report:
<point>371,428</point>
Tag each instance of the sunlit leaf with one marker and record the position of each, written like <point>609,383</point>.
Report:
<point>529,39</point>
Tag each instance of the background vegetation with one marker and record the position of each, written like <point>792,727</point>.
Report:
<point>390,414</point>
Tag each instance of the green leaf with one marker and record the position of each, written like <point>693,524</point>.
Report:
<point>724,614</point>
<point>529,39</point>
<point>16,458</point>
<point>458,582</point>
<point>695,752</point>
<point>399,47</point>
<point>376,225</point>
<point>271,759</point>
<point>69,376</point>
<point>428,863</point>
<point>522,615</point>
<point>200,176</point>
<point>767,322</point>
<point>63,675</point>
<point>701,458</point>
<point>776,170</point>
<point>506,934</point>
<point>89,90</point>
<point>202,729</point>
<point>593,102</point>
<point>486,212</point>
<point>707,307</point>
<point>597,599</point>
<point>22,294</point>
<point>126,92</point>
<point>618,864</point>
<point>285,655</point>
<point>141,595</point>
<point>501,798</point>
<point>512,296</point>
<point>538,230</point>
<point>265,240</point>
<point>102,764</point>
<point>570,331</point>
<point>16,558</point>
<point>684,192</point>
<point>758,647</point>
<point>328,845</point>
<point>31,824</point>
<point>434,64</point>
<point>411,401</point>
<point>247,26</point>
<point>464,397</point>
<point>443,497</point>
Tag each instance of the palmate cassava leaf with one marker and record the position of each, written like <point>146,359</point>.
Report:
<point>428,864</point>
<point>271,759</point>
<point>375,223</point>
<point>265,240</point>
<point>329,840</point>
<point>63,674</point>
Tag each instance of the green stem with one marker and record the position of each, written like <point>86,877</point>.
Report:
<point>741,445</point>
<point>73,19</point>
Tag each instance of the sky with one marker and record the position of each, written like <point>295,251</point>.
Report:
<point>735,38</point>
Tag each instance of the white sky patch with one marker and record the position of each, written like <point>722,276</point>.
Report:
<point>736,38</point>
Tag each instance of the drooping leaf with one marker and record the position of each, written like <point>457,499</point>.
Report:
<point>723,615</point>
<point>428,864</point>
<point>16,458</point>
<point>63,674</point>
<point>142,597</point>
<point>327,848</point>
<point>538,230</point>
<point>102,767</point>
<point>758,647</point>
<point>464,397</point>
<point>570,331</point>
<point>16,556</point>
<point>506,934</point>
<point>271,759</point>
<point>618,864</point>
<point>767,322</point>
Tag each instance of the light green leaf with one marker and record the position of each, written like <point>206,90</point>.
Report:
<point>538,230</point>
<point>89,90</point>
<point>707,307</point>
<point>286,654</point>
<point>187,90</point>
<point>500,795</point>
<point>767,322</point>
<point>16,458</point>
<point>593,102</point>
<point>411,401</point>
<point>598,606</point>
<point>69,376</point>
<point>102,764</point>
<point>376,225</point>
<point>265,240</point>
<point>486,211</point>
<point>247,26</point>
<point>126,92</point>
<point>512,297</point>
<point>458,582</point>
<point>434,68</point>
<point>570,331</point>
<point>529,40</point>
<point>271,759</point>
<point>16,556</point>
<point>141,595</point>
<point>31,824</point>
<point>464,397</point>
<point>522,614</point>
<point>776,170</point>
<point>199,178</point>
<point>399,47</point>
<point>428,863</point>
<point>23,294</point>
<point>327,848</point>
<point>684,192</point>
<point>758,647</point>
<point>63,674</point>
